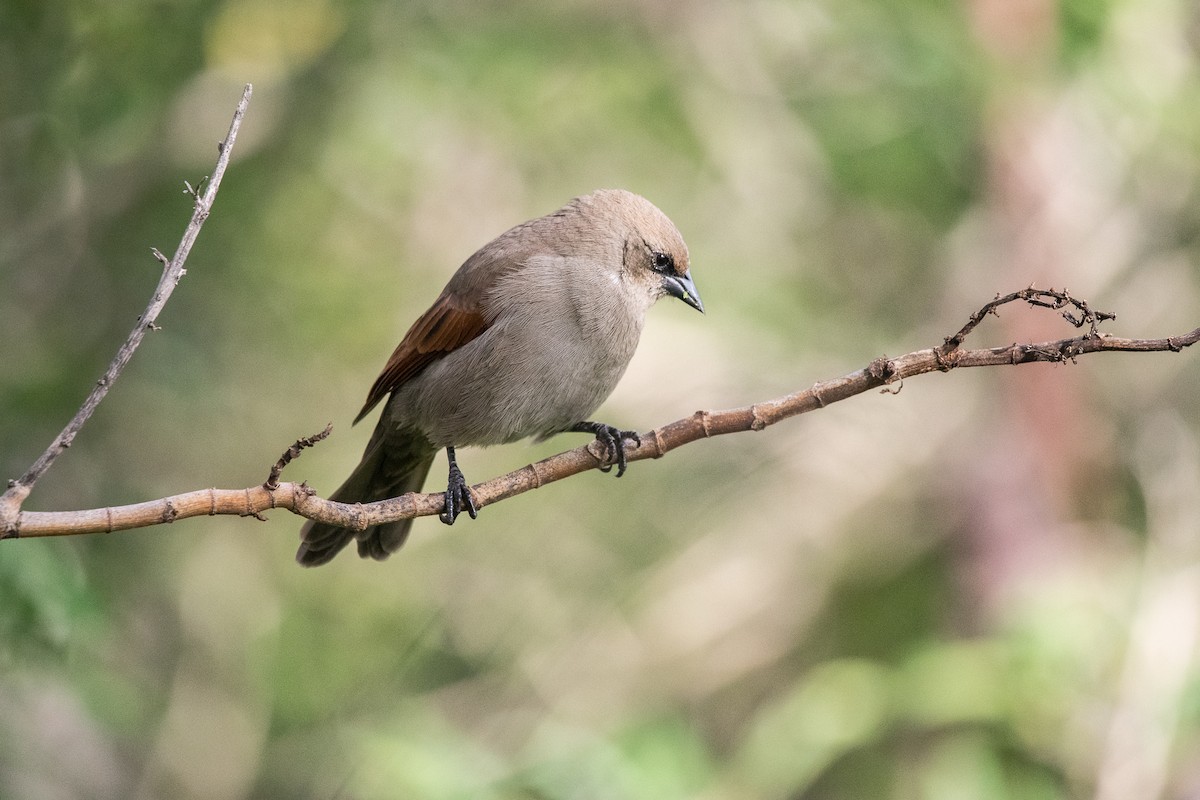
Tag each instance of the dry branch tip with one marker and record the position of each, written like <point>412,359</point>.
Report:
<point>1075,311</point>
<point>293,452</point>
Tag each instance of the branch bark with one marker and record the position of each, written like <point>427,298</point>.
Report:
<point>880,373</point>
<point>173,272</point>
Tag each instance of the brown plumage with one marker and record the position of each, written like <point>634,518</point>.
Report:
<point>450,323</point>
<point>529,336</point>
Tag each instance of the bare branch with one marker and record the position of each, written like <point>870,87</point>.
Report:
<point>882,372</point>
<point>173,271</point>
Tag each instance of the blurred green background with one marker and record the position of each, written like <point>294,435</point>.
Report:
<point>986,586</point>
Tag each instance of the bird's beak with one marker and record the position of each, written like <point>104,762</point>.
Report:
<point>681,286</point>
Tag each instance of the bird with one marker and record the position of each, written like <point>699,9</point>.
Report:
<point>527,339</point>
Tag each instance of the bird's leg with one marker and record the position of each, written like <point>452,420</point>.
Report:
<point>612,440</point>
<point>458,493</point>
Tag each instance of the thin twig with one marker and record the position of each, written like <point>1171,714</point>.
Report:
<point>173,271</point>
<point>1038,298</point>
<point>293,452</point>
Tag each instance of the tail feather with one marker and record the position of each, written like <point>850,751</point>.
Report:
<point>395,462</point>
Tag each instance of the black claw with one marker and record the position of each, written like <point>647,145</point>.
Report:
<point>458,494</point>
<point>613,441</point>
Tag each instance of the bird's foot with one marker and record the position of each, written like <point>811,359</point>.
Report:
<point>458,494</point>
<point>612,440</point>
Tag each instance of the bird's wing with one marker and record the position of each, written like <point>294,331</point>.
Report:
<point>461,312</point>
<point>450,323</point>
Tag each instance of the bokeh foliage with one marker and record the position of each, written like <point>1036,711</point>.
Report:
<point>987,586</point>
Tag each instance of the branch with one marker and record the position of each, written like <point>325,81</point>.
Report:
<point>880,373</point>
<point>173,271</point>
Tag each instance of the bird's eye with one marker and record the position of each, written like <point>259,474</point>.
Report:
<point>663,262</point>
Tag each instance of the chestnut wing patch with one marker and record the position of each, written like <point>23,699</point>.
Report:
<point>445,327</point>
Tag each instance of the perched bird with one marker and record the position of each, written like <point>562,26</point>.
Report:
<point>527,339</point>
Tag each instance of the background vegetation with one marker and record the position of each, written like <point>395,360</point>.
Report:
<point>987,586</point>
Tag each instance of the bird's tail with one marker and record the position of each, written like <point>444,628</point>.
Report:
<point>395,462</point>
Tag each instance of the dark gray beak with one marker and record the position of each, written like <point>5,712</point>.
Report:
<point>681,286</point>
